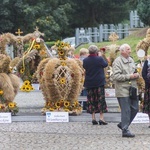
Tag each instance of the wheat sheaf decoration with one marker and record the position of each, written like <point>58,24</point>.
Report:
<point>61,81</point>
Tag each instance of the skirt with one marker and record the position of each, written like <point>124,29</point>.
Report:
<point>96,100</point>
<point>146,103</point>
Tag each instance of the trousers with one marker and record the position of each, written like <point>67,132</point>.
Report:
<point>129,109</point>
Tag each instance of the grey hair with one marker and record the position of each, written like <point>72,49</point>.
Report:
<point>123,47</point>
<point>93,49</point>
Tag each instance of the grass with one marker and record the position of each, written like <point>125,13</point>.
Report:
<point>132,40</point>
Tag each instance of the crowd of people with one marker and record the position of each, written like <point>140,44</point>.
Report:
<point>124,76</point>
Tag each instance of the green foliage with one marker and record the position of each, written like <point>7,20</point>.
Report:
<point>58,19</point>
<point>50,44</point>
<point>143,9</point>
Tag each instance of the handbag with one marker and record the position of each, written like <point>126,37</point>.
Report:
<point>133,92</point>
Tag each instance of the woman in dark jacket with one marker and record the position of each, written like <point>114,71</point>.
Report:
<point>146,77</point>
<point>94,83</point>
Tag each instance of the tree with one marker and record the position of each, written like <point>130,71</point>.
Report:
<point>143,9</point>
<point>95,12</point>
<point>59,18</point>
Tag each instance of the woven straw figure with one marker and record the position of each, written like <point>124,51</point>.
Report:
<point>9,86</point>
<point>145,43</point>
<point>61,81</point>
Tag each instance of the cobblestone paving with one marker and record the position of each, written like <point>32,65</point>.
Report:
<point>71,136</point>
<point>75,135</point>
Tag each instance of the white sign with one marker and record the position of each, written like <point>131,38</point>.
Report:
<point>109,92</point>
<point>36,86</point>
<point>5,117</point>
<point>141,118</point>
<point>57,117</point>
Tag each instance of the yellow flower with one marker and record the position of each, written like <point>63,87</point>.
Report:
<point>11,105</point>
<point>27,82</point>
<point>27,88</point>
<point>76,103</point>
<point>66,104</point>
<point>1,92</point>
<point>23,88</point>
<point>62,80</point>
<point>62,44</point>
<point>61,100</point>
<point>63,63</point>
<point>37,46</point>
<point>67,110</point>
<point>60,53</point>
<point>22,70</point>
<point>57,104</point>
<point>51,109</point>
<point>63,58</point>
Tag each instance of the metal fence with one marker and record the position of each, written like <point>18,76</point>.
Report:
<point>101,33</point>
<point>135,21</point>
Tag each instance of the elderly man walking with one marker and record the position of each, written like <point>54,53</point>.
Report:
<point>124,76</point>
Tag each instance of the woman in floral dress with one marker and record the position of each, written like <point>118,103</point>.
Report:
<point>94,83</point>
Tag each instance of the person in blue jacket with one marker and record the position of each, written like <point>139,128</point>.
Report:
<point>94,83</point>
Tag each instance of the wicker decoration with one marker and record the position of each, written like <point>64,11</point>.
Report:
<point>9,86</point>
<point>61,81</point>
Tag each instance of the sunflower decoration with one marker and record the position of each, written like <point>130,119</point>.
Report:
<point>62,49</point>
<point>66,104</point>
<point>57,104</point>
<point>13,108</point>
<point>3,107</point>
<point>27,86</point>
<point>63,105</point>
<point>62,80</point>
<point>9,84</point>
<point>63,63</point>
<point>1,92</point>
<point>7,107</point>
<point>1,96</point>
<point>37,46</point>
<point>22,70</point>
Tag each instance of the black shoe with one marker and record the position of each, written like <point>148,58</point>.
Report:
<point>127,134</point>
<point>119,126</point>
<point>94,122</point>
<point>101,122</point>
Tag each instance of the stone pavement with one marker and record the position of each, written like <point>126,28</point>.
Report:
<point>30,131</point>
<point>71,136</point>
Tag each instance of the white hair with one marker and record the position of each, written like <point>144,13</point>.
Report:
<point>93,49</point>
<point>123,47</point>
